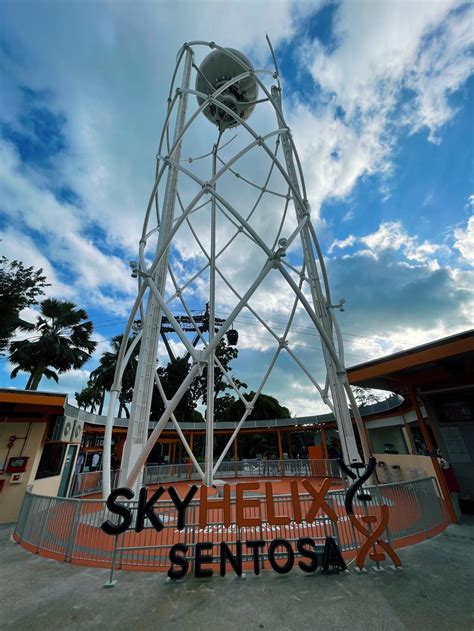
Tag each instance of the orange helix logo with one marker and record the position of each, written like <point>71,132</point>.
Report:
<point>376,526</point>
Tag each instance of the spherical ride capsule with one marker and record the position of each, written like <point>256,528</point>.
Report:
<point>218,68</point>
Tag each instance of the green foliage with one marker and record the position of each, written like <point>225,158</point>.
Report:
<point>225,354</point>
<point>61,340</point>
<point>101,379</point>
<point>171,377</point>
<point>226,407</point>
<point>265,408</point>
<point>20,287</point>
<point>222,406</point>
<point>90,397</point>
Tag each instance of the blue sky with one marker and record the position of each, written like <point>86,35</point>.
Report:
<point>379,97</point>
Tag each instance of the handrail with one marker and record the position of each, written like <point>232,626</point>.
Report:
<point>69,529</point>
<point>89,483</point>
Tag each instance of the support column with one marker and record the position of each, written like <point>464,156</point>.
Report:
<point>191,443</point>
<point>210,400</point>
<point>430,447</point>
<point>409,436</point>
<point>323,443</point>
<point>144,381</point>
<point>337,375</point>
<point>236,450</point>
<point>280,447</point>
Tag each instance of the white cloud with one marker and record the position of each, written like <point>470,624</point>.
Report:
<point>110,82</point>
<point>464,241</point>
<point>17,245</point>
<point>442,66</point>
<point>392,64</point>
<point>32,208</point>
<point>342,243</point>
<point>391,235</point>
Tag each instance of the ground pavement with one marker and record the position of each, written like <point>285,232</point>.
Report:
<point>434,591</point>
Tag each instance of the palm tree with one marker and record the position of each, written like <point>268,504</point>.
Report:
<point>91,396</point>
<point>62,342</point>
<point>101,379</point>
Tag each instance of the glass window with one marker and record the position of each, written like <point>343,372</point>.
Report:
<point>51,460</point>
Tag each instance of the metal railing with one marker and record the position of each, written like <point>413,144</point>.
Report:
<point>90,483</point>
<point>68,529</point>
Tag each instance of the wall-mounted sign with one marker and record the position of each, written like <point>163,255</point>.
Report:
<point>17,464</point>
<point>16,478</point>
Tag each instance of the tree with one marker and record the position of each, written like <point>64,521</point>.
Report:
<point>225,354</point>
<point>101,379</point>
<point>20,287</point>
<point>222,407</point>
<point>265,408</point>
<point>171,377</point>
<point>90,397</point>
<point>62,341</point>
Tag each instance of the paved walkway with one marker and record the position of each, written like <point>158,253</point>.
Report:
<point>434,591</point>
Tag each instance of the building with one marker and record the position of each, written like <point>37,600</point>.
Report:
<point>44,439</point>
<point>38,447</point>
<point>437,382</point>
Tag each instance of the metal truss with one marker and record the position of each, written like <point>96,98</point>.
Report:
<point>213,209</point>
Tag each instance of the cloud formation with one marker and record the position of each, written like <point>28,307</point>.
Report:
<point>82,107</point>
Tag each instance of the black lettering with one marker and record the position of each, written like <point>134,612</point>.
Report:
<point>177,559</point>
<point>308,554</point>
<point>283,543</point>
<point>255,545</point>
<point>182,505</point>
<point>235,561</point>
<point>118,509</point>
<point>145,509</point>
<point>199,559</point>
<point>332,556</point>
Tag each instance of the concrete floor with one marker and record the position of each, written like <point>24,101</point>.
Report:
<point>434,591</point>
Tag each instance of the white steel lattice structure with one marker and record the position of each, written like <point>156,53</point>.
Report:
<point>237,201</point>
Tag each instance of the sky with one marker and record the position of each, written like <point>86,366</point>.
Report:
<point>379,98</point>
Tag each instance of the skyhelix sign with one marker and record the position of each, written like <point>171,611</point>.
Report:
<point>281,553</point>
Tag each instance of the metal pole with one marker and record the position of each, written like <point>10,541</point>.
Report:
<point>143,389</point>
<point>209,452</point>
<point>336,378</point>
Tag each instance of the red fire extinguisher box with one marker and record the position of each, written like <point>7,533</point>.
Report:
<point>17,464</point>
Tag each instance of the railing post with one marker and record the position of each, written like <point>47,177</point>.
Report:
<point>24,511</point>
<point>111,582</point>
<point>418,506</point>
<point>43,525</point>
<point>73,531</point>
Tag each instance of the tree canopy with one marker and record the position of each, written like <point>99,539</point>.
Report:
<point>62,341</point>
<point>20,287</point>
<point>265,408</point>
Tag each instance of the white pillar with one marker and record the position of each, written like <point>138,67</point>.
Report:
<point>143,389</point>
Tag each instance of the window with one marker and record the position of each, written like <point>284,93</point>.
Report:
<point>51,460</point>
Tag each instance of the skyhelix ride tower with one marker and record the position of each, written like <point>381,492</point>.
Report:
<point>227,223</point>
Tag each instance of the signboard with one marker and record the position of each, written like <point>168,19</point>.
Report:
<point>280,552</point>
